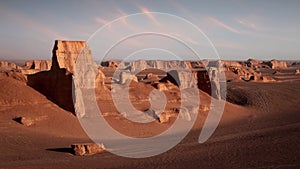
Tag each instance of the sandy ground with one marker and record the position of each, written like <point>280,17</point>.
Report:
<point>261,130</point>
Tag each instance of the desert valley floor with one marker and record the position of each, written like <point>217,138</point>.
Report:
<point>260,126</point>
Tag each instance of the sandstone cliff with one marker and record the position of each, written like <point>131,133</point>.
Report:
<point>56,84</point>
<point>65,54</point>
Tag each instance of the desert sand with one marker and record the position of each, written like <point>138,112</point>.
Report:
<point>259,128</point>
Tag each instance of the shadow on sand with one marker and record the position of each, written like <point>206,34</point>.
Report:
<point>62,150</point>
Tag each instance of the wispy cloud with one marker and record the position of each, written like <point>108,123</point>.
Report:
<point>223,25</point>
<point>150,15</point>
<point>101,20</point>
<point>250,24</point>
<point>124,19</point>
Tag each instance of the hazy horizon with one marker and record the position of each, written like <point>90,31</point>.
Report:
<point>238,29</point>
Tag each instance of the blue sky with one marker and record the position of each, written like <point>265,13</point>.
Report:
<point>238,29</point>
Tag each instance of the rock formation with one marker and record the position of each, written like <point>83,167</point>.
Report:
<point>181,78</point>
<point>203,81</point>
<point>10,70</point>
<point>126,77</point>
<point>228,64</point>
<point>65,54</point>
<point>111,64</point>
<point>29,121</point>
<point>56,84</point>
<point>41,65</point>
<point>275,64</point>
<point>26,121</point>
<point>84,149</point>
<point>137,66</point>
<point>215,82</point>
<point>253,63</point>
<point>7,66</point>
<point>164,118</point>
<point>35,66</point>
<point>3,64</point>
<point>244,73</point>
<point>197,64</point>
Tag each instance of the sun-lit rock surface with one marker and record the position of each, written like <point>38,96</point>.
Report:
<point>6,66</point>
<point>56,84</point>
<point>140,65</point>
<point>276,64</point>
<point>84,149</point>
<point>41,64</point>
<point>66,53</point>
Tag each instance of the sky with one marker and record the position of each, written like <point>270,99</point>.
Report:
<point>238,29</point>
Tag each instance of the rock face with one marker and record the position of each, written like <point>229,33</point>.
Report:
<point>242,72</point>
<point>203,81</point>
<point>157,64</point>
<point>42,64</point>
<point>6,66</point>
<point>110,64</point>
<point>127,77</point>
<point>196,64</point>
<point>253,63</point>
<point>3,64</point>
<point>215,83</point>
<point>66,53</point>
<point>56,84</point>
<point>275,64</point>
<point>181,78</point>
<point>228,64</point>
<point>164,118</point>
<point>25,121</point>
<point>35,66</point>
<point>84,149</point>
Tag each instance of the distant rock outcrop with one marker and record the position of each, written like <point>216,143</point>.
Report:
<point>228,64</point>
<point>196,64</point>
<point>35,66</point>
<point>140,65</point>
<point>10,70</point>
<point>275,64</point>
<point>181,78</point>
<point>41,65</point>
<point>3,64</point>
<point>6,66</point>
<point>254,63</point>
<point>110,64</point>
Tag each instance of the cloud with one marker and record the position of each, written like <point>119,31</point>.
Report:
<point>249,24</point>
<point>223,25</point>
<point>150,15</point>
<point>101,20</point>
